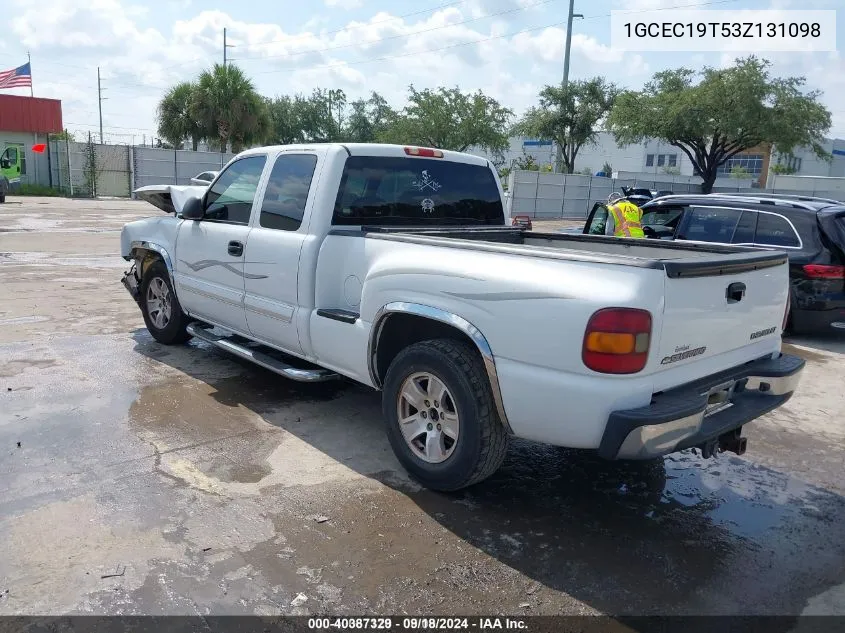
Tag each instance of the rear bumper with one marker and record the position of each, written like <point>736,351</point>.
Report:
<point>700,412</point>
<point>818,321</point>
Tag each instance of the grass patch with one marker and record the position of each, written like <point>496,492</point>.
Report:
<point>29,189</point>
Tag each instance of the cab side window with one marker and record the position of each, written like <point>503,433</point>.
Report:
<point>287,192</point>
<point>230,198</point>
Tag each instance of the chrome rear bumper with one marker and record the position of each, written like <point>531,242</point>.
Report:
<point>700,413</point>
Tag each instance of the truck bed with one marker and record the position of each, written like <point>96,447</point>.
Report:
<point>678,259</point>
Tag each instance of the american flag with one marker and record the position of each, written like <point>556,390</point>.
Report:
<point>20,77</point>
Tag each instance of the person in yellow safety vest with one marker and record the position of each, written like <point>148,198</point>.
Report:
<point>624,218</point>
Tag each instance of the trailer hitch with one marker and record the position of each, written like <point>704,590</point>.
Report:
<point>730,442</point>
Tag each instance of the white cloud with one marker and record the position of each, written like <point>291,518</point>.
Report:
<point>382,52</point>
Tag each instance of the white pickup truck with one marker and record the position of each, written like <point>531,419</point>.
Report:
<point>393,266</point>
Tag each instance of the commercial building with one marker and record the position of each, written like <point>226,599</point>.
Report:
<point>657,158</point>
<point>25,122</point>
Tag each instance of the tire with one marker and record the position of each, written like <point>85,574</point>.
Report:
<point>2,198</point>
<point>167,327</point>
<point>481,441</point>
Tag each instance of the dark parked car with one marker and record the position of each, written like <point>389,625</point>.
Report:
<point>810,230</point>
<point>639,195</point>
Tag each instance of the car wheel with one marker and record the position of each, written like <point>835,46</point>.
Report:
<point>2,197</point>
<point>160,307</point>
<point>441,418</point>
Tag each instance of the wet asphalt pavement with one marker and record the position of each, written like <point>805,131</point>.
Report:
<point>142,479</point>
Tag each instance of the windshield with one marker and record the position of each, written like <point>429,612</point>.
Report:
<point>414,191</point>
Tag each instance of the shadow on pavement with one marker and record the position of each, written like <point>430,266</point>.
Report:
<point>676,536</point>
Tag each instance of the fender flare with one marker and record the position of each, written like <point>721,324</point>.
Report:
<point>158,249</point>
<point>459,323</point>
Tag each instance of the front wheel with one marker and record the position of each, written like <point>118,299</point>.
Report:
<point>162,313</point>
<point>441,418</point>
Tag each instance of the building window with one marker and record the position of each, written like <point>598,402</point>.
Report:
<point>673,160</point>
<point>661,160</point>
<point>649,160</point>
<point>752,163</point>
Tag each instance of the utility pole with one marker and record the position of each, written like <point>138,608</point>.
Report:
<point>225,46</point>
<point>565,81</point>
<point>100,104</point>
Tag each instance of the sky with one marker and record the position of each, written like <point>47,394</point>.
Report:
<point>509,49</point>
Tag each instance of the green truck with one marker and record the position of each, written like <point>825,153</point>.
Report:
<point>12,167</point>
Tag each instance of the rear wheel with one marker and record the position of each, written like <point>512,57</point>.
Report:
<point>441,419</point>
<point>2,197</point>
<point>162,313</point>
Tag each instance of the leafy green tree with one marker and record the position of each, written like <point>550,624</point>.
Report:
<point>286,115</point>
<point>321,116</point>
<point>607,169</point>
<point>783,170</point>
<point>728,111</point>
<point>504,173</point>
<point>176,121</point>
<point>64,135</point>
<point>229,109</point>
<point>449,119</point>
<point>569,116</point>
<point>740,173</point>
<point>368,119</point>
<point>526,162</point>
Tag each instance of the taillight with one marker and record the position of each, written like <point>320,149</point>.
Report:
<point>617,341</point>
<point>424,151</point>
<point>819,271</point>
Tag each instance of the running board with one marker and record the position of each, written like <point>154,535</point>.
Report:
<point>266,361</point>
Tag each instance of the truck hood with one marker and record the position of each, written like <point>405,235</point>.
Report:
<point>170,198</point>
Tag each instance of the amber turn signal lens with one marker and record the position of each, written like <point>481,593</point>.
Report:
<point>610,343</point>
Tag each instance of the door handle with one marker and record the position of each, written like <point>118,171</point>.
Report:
<point>236,249</point>
<point>735,292</point>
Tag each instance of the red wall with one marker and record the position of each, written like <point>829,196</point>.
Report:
<point>28,114</point>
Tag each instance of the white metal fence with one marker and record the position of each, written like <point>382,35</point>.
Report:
<point>92,169</point>
<point>548,195</point>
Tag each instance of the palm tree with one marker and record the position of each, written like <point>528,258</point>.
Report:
<point>175,119</point>
<point>229,109</point>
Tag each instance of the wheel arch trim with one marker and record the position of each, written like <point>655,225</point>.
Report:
<point>459,323</point>
<point>160,250</point>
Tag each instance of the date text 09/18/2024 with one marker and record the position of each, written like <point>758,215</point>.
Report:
<point>417,623</point>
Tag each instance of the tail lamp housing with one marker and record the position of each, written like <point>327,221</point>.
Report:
<point>617,341</point>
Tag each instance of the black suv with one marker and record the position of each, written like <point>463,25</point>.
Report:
<point>810,230</point>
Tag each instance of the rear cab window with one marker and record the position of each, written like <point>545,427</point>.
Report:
<point>407,191</point>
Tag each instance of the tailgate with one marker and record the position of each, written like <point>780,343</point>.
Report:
<point>721,305</point>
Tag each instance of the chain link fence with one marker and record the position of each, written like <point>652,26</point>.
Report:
<point>91,169</point>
